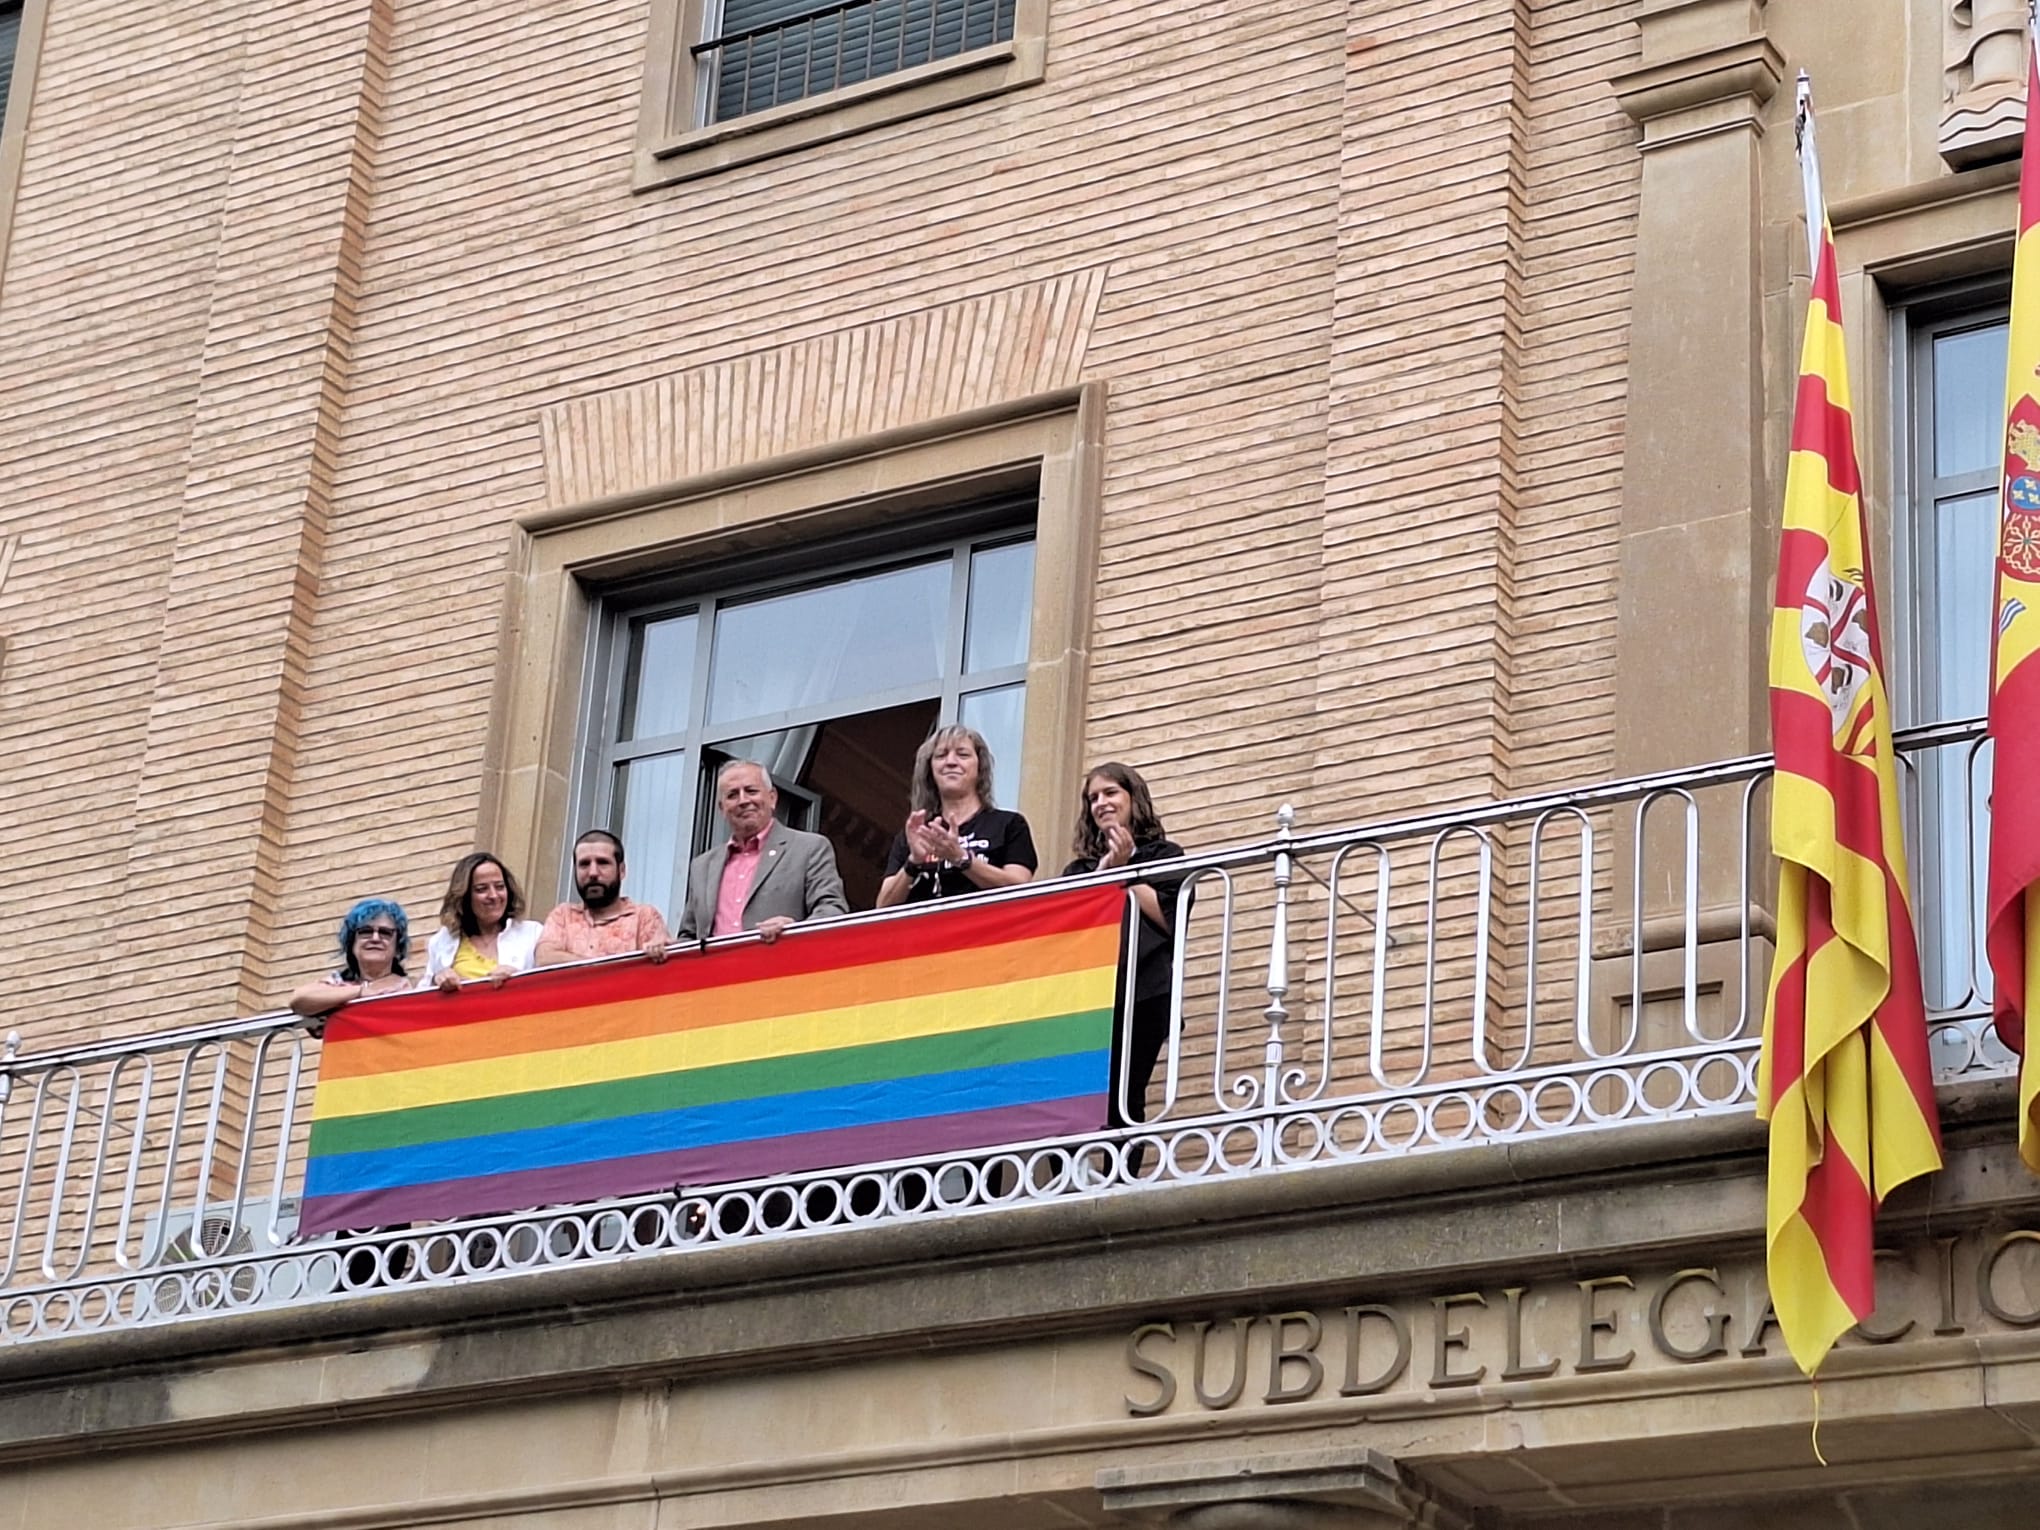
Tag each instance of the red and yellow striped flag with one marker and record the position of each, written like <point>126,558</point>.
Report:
<point>1844,1079</point>
<point>2012,934</point>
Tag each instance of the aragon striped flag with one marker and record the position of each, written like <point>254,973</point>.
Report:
<point>1844,1080</point>
<point>2012,891</point>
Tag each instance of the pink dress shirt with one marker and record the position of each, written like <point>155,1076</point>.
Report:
<point>740,870</point>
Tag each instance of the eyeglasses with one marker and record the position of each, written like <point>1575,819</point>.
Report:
<point>375,932</point>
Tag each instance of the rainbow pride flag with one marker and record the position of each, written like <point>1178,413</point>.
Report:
<point>961,1028</point>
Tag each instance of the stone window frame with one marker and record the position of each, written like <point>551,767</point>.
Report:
<point>20,98</point>
<point>564,561</point>
<point>674,145</point>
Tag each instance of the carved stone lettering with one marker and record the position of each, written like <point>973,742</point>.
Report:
<point>1200,1343</point>
<point>1873,1331</point>
<point>1513,1369</point>
<point>1716,1342</point>
<point>1447,1341</point>
<point>1766,1321</point>
<point>1557,1328</point>
<point>1163,1378</point>
<point>1594,1323</point>
<point>1987,1283</point>
<point>1399,1362</point>
<point>1946,1323</point>
<point>1282,1355</point>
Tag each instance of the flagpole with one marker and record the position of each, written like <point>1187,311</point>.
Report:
<point>1809,165</point>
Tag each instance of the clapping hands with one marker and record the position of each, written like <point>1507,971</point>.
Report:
<point>930,838</point>
<point>1118,847</point>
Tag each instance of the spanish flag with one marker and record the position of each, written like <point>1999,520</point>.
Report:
<point>1844,1079</point>
<point>2012,931</point>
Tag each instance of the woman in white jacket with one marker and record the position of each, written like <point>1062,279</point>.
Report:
<point>481,934</point>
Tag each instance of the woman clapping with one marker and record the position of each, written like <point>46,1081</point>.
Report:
<point>1117,826</point>
<point>955,841</point>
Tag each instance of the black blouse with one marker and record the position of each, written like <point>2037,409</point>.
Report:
<point>1156,947</point>
<point>998,837</point>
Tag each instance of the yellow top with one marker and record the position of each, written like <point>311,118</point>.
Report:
<point>470,963</point>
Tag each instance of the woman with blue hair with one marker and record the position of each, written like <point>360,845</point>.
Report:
<point>374,938</point>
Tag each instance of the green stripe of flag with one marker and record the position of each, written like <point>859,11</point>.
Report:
<point>872,1063</point>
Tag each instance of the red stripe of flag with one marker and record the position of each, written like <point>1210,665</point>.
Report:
<point>1821,426</point>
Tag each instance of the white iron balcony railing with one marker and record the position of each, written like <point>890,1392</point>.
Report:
<point>1578,961</point>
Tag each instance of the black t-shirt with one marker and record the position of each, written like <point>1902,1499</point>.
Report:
<point>1000,838</point>
<point>1151,969</point>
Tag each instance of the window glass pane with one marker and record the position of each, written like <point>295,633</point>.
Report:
<point>1958,607</point>
<point>841,641</point>
<point>1948,616</point>
<point>798,48</point>
<point>648,805</point>
<point>1001,606</point>
<point>1955,791</point>
<point>10,39</point>
<point>1965,559</point>
<point>1969,400</point>
<point>659,690</point>
<point>999,716</point>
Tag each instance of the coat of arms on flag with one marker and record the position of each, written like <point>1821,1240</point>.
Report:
<point>2020,542</point>
<point>1834,634</point>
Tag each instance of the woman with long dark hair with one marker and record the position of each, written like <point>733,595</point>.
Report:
<point>1117,826</point>
<point>481,932</point>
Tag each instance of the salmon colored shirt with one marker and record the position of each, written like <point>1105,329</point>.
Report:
<point>740,870</point>
<point>624,926</point>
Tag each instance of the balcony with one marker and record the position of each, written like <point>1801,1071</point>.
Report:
<point>1492,977</point>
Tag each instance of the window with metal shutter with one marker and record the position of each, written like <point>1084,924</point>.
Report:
<point>767,52</point>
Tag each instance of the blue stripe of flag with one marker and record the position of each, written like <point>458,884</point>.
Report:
<point>817,1110</point>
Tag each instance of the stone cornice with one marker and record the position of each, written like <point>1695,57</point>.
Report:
<point>1714,90</point>
<point>1919,196</point>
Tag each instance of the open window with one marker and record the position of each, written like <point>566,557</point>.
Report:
<point>828,666</point>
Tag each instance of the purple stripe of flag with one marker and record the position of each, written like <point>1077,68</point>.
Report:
<point>490,1194</point>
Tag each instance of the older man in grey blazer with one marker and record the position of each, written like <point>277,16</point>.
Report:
<point>765,876</point>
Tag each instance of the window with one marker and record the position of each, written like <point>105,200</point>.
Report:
<point>829,680</point>
<point>731,81</point>
<point>769,52</point>
<point>590,579</point>
<point>10,43</point>
<point>1946,557</point>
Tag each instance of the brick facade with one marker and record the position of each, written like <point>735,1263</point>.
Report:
<point>293,291</point>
